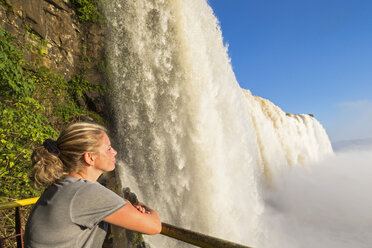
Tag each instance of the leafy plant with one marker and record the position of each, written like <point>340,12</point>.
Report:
<point>68,112</point>
<point>13,80</point>
<point>87,10</point>
<point>34,106</point>
<point>22,129</point>
<point>42,48</point>
<point>79,84</point>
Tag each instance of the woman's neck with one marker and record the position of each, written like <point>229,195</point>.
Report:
<point>83,175</point>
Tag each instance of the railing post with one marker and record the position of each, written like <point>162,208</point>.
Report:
<point>18,226</point>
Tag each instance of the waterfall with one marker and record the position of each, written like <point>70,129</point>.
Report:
<point>192,144</point>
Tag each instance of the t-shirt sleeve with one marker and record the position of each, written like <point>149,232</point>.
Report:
<point>92,203</point>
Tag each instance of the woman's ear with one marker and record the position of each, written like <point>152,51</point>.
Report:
<point>88,158</point>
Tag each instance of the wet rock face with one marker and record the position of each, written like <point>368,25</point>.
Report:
<point>53,35</point>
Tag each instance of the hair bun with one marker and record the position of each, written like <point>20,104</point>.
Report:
<point>51,146</point>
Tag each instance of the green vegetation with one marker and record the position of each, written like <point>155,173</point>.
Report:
<point>22,128</point>
<point>42,48</point>
<point>13,82</point>
<point>79,84</point>
<point>34,105</point>
<point>6,3</point>
<point>87,10</point>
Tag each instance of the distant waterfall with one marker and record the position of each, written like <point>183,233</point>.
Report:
<point>192,143</point>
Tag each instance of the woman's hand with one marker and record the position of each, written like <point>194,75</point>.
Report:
<point>138,217</point>
<point>142,208</point>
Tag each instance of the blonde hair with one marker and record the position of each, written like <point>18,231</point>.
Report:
<point>77,139</point>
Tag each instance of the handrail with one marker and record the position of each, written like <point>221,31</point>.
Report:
<point>188,236</point>
<point>195,238</point>
<point>18,203</point>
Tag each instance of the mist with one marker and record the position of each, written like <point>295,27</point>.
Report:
<point>326,204</point>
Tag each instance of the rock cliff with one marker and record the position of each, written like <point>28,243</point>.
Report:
<point>51,35</point>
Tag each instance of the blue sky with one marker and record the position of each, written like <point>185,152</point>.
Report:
<point>306,56</point>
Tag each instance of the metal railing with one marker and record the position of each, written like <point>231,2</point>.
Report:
<point>18,224</point>
<point>187,236</point>
<point>197,239</point>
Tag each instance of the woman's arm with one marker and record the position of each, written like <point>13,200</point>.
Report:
<point>130,217</point>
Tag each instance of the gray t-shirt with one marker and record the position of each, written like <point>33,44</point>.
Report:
<point>70,213</point>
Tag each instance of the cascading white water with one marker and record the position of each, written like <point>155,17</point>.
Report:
<point>192,143</point>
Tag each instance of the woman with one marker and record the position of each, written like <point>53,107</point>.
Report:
<point>74,209</point>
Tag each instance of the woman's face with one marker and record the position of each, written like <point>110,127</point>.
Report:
<point>105,155</point>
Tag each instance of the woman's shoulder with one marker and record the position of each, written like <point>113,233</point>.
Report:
<point>77,183</point>
<point>68,187</point>
<point>89,189</point>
